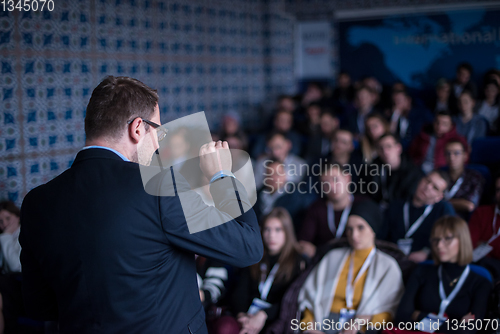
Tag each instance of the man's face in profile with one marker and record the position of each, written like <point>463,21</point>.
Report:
<point>149,142</point>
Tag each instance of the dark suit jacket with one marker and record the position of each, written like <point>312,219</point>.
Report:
<point>103,256</point>
<point>401,183</point>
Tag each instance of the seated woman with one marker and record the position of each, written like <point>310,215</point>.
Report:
<point>358,282</point>
<point>448,289</point>
<point>258,292</point>
<point>375,126</point>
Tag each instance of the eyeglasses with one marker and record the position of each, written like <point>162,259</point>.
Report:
<point>160,132</point>
<point>447,240</point>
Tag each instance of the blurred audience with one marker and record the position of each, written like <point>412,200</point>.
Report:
<point>319,144</point>
<point>277,191</point>
<point>283,123</point>
<point>406,120</point>
<point>489,106</point>
<point>393,172</point>
<point>375,126</point>
<point>427,149</point>
<point>466,186</point>
<point>363,105</point>
<point>463,80</point>
<point>326,218</point>
<point>279,148</point>
<point>343,94</point>
<point>409,221</point>
<point>257,297</point>
<point>468,123</point>
<point>443,99</point>
<point>484,226</point>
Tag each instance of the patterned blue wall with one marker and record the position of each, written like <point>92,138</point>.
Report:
<point>200,55</point>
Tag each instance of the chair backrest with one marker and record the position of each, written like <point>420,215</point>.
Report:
<point>485,150</point>
<point>481,271</point>
<point>483,170</point>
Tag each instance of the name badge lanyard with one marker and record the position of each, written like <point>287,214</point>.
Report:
<point>446,300</point>
<point>454,189</point>
<point>403,126</point>
<point>417,223</point>
<point>497,212</point>
<point>349,289</point>
<point>265,286</point>
<point>338,232</point>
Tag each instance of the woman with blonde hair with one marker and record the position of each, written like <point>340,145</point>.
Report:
<point>448,289</point>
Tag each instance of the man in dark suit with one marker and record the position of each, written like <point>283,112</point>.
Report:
<point>102,255</point>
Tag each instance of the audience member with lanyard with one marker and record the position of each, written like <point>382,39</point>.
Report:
<point>326,218</point>
<point>260,288</point>
<point>393,172</point>
<point>466,186</point>
<point>449,289</point>
<point>484,226</point>
<point>409,221</point>
<point>356,282</point>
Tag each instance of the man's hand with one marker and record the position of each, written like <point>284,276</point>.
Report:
<point>255,323</point>
<point>215,157</point>
<point>419,256</point>
<point>307,248</point>
<point>242,318</point>
<point>467,317</point>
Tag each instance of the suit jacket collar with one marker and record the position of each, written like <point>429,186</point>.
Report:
<point>96,153</point>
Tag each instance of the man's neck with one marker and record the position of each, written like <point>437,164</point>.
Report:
<point>455,173</point>
<point>341,203</point>
<point>467,116</point>
<point>491,100</point>
<point>365,110</point>
<point>109,144</point>
<point>417,202</point>
<point>395,164</point>
<point>342,158</point>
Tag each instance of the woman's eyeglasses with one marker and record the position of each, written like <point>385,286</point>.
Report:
<point>447,240</point>
<point>160,132</point>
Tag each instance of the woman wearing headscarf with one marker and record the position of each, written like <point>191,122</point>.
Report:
<point>353,283</point>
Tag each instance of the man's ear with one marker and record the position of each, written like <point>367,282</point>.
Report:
<point>136,130</point>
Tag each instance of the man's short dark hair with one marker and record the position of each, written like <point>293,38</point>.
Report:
<point>465,66</point>
<point>115,101</point>
<point>328,112</point>
<point>391,135</point>
<point>275,133</point>
<point>463,143</point>
<point>444,113</point>
<point>9,206</point>
<point>468,92</point>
